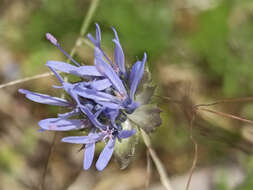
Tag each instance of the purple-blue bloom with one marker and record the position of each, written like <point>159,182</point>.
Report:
<point>99,102</point>
<point>114,71</point>
<point>110,134</point>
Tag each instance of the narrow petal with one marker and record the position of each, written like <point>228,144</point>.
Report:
<point>81,71</point>
<point>105,155</point>
<point>119,57</point>
<point>58,76</point>
<point>61,66</point>
<point>92,39</point>
<point>98,33</point>
<point>110,105</point>
<point>43,98</point>
<point>96,41</point>
<point>136,75</point>
<point>88,71</point>
<point>115,34</point>
<point>69,114</point>
<point>60,124</point>
<point>92,118</point>
<point>83,139</point>
<point>112,114</point>
<point>100,84</point>
<point>126,133</point>
<point>88,155</point>
<point>99,97</point>
<point>106,70</point>
<point>95,95</point>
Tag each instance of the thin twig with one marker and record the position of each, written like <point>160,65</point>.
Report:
<point>42,185</point>
<point>47,74</point>
<point>195,159</point>
<point>226,115</point>
<point>168,99</point>
<point>160,168</point>
<point>72,179</point>
<point>88,17</point>
<point>79,41</point>
<point>246,99</point>
<point>148,173</point>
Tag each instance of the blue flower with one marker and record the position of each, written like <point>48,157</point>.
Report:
<point>101,100</point>
<point>110,134</point>
<point>116,71</point>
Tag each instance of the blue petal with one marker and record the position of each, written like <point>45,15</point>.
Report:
<point>83,139</point>
<point>105,155</point>
<point>69,114</point>
<point>81,71</point>
<point>119,57</point>
<point>112,114</point>
<point>91,38</point>
<point>92,118</point>
<point>87,71</point>
<point>130,108</point>
<point>88,155</point>
<point>96,41</point>
<point>95,95</point>
<point>126,133</point>
<point>58,76</point>
<point>98,32</point>
<point>69,88</point>
<point>115,34</point>
<point>100,84</point>
<point>102,98</point>
<point>60,124</point>
<point>43,98</point>
<point>106,70</point>
<point>136,75</point>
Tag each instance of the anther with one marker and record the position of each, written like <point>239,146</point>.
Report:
<point>52,39</point>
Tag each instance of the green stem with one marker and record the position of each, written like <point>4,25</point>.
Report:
<point>88,17</point>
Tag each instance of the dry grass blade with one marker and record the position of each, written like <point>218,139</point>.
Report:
<point>231,100</point>
<point>148,177</point>
<point>159,166</point>
<point>226,115</point>
<point>47,74</point>
<point>43,180</point>
<point>195,159</point>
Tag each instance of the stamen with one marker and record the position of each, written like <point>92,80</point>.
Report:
<point>54,41</point>
<point>108,133</point>
<point>57,75</point>
<point>68,56</point>
<point>115,68</point>
<point>120,95</point>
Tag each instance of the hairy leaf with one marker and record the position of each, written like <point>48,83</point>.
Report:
<point>147,117</point>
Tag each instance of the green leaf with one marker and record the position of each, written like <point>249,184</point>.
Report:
<point>145,89</point>
<point>145,96</point>
<point>147,117</point>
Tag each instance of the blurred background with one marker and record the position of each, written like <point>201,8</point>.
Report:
<point>199,51</point>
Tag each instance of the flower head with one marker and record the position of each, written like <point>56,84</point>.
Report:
<point>102,99</point>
